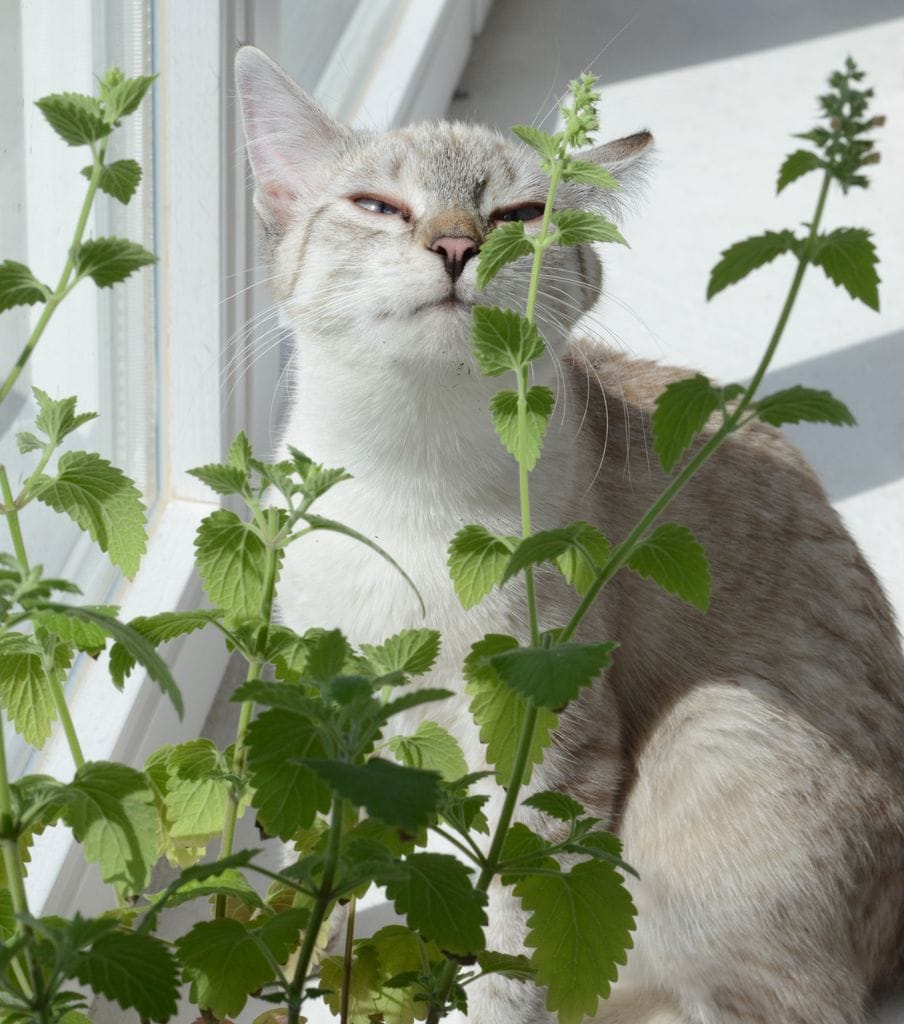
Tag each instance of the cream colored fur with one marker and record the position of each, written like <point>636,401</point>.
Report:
<point>750,758</point>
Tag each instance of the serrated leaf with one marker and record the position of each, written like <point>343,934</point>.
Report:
<point>316,479</point>
<point>682,411</point>
<point>103,501</point>
<point>555,804</point>
<point>795,166</point>
<point>547,145</point>
<point>57,417</point>
<point>413,651</point>
<point>119,179</point>
<point>110,809</point>
<point>229,882</point>
<point>503,340</point>
<point>157,629</point>
<point>222,479</point>
<point>673,558</point>
<point>585,173</point>
<point>439,900</point>
<point>76,118</point>
<point>503,245</point>
<point>240,453</point>
<point>849,259</point>
<point>506,964</point>
<point>27,442</point>
<point>504,406</point>
<point>740,259</point>
<point>19,287</point>
<point>551,676</point>
<point>24,689</point>
<point>230,556</point>
<point>499,711</point>
<point>552,545</point>
<point>579,928</point>
<point>576,226</point>
<point>287,794</point>
<point>405,797</point>
<point>797,404</point>
<point>107,261</point>
<point>225,962</point>
<point>433,748</point>
<point>412,700</point>
<point>581,563</point>
<point>477,561</point>
<point>133,647</point>
<point>328,654</point>
<point>136,971</point>
<point>124,96</point>
<point>83,635</point>
<point>196,793</point>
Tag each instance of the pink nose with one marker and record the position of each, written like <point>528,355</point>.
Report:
<point>455,250</point>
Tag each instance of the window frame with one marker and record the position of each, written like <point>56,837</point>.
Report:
<point>208,286</point>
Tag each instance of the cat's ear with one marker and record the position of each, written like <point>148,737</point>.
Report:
<point>291,140</point>
<point>628,160</point>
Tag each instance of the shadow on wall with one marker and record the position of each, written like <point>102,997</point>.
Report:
<point>867,377</point>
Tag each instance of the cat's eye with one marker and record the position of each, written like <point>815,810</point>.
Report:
<point>525,213</point>
<point>374,205</point>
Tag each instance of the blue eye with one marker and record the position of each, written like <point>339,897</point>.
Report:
<point>378,206</point>
<point>530,211</point>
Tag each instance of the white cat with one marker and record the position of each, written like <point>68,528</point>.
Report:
<point>749,758</point>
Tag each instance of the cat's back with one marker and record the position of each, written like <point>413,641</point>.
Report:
<point>793,601</point>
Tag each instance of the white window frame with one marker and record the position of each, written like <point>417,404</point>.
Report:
<point>206,292</point>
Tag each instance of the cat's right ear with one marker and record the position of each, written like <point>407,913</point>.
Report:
<point>291,140</point>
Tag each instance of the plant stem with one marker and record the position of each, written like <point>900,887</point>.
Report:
<point>623,551</point>
<point>318,911</point>
<point>62,709</point>
<point>62,287</point>
<point>347,961</point>
<point>12,516</point>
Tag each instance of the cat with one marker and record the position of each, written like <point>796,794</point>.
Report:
<point>749,758</point>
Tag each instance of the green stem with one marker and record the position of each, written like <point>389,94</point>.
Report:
<point>62,710</point>
<point>347,955</point>
<point>318,911</point>
<point>623,551</point>
<point>62,287</point>
<point>12,516</point>
<point>271,564</point>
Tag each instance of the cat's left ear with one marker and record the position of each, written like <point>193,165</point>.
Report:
<point>628,160</point>
<point>291,140</point>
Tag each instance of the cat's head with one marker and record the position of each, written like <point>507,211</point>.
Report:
<point>372,235</point>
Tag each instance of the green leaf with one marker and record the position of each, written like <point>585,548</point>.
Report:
<point>103,501</point>
<point>553,545</point>
<point>83,635</point>
<point>433,748</point>
<point>316,479</point>
<point>674,559</point>
<point>581,563</point>
<point>157,629</point>
<point>517,967</point>
<point>57,418</point>
<point>222,479</point>
<point>228,882</point>
<point>132,645</point>
<point>240,453</point>
<point>76,118</point>
<point>110,809</point>
<point>576,226</point>
<point>196,793</point>
<point>547,145</point>
<point>27,442</point>
<point>503,245</point>
<point>555,804</point>
<point>230,556</point>
<point>24,689</point>
<point>796,404</point>
<point>579,928</point>
<point>438,899</point>
<point>124,96</point>
<point>287,794</point>
<point>585,173</point>
<point>405,797</point>
<point>226,963</point>
<point>19,287</point>
<point>136,971</point>
<point>328,654</point>
<point>551,676</point>
<point>477,561</point>
<point>740,259</point>
<point>796,165</point>
<point>107,261</point>
<point>504,406</point>
<point>119,179</point>
<point>503,340</point>
<point>849,258</point>
<point>499,711</point>
<point>682,411</point>
<point>413,651</point>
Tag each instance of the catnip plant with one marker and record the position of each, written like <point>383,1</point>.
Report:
<point>309,755</point>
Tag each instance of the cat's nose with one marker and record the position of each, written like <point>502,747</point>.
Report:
<point>455,250</point>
